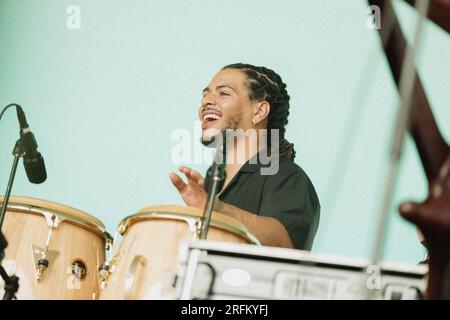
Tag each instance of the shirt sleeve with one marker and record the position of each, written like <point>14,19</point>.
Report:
<point>293,201</point>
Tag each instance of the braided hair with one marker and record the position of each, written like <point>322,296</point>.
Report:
<point>266,85</point>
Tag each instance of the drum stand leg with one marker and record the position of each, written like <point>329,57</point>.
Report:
<point>11,283</point>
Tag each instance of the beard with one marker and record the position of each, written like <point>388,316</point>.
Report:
<point>232,123</point>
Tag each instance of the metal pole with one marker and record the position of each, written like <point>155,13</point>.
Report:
<point>407,81</point>
<point>17,152</point>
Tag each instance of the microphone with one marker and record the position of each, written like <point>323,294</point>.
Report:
<point>216,171</point>
<point>32,159</point>
<point>214,182</point>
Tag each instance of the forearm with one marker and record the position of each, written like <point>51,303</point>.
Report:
<point>433,149</point>
<point>269,231</point>
<point>438,277</point>
<point>446,289</point>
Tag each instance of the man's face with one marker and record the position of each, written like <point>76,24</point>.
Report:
<point>225,104</point>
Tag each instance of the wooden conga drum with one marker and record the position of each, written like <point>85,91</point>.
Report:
<point>146,262</point>
<point>55,250</point>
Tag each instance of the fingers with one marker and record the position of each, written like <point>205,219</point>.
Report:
<point>177,182</point>
<point>195,179</point>
<point>193,175</point>
<point>408,207</point>
<point>412,211</point>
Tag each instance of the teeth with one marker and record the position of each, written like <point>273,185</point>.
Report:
<point>211,116</point>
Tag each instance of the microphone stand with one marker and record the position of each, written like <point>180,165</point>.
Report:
<point>406,87</point>
<point>11,282</point>
<point>218,175</point>
<point>3,245</point>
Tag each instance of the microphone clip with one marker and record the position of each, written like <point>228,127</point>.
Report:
<point>18,150</point>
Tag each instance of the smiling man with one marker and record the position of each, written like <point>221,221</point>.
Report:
<point>281,208</point>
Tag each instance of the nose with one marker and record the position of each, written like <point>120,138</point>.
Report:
<point>208,100</point>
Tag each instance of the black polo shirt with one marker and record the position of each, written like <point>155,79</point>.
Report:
<point>288,196</point>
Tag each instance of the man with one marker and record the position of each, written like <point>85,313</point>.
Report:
<point>280,209</point>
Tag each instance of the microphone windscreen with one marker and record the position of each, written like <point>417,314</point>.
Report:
<point>35,168</point>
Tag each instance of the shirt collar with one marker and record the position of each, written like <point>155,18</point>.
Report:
<point>255,162</point>
<point>251,166</point>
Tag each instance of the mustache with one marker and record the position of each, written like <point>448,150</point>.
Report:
<point>204,109</point>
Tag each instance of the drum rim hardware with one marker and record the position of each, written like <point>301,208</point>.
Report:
<point>42,257</point>
<point>108,266</point>
<point>239,229</point>
<point>92,224</point>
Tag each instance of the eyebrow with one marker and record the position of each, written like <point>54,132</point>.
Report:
<point>207,89</point>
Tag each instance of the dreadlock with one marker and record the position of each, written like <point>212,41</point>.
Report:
<point>266,85</point>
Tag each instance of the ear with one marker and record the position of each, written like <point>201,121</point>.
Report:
<point>261,111</point>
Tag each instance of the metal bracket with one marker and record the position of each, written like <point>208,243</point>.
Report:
<point>40,254</point>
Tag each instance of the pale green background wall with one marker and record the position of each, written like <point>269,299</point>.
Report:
<point>104,100</point>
